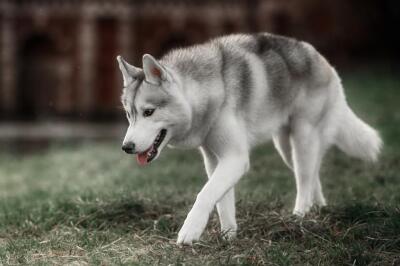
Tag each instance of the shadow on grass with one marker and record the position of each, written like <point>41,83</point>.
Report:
<point>127,215</point>
<point>130,215</point>
<point>124,215</point>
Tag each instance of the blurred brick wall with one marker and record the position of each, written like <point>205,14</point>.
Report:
<point>57,58</point>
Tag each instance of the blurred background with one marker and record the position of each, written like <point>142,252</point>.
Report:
<point>59,77</point>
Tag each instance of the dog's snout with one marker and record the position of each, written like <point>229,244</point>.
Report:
<point>129,147</point>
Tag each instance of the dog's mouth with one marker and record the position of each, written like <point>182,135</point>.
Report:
<point>151,153</point>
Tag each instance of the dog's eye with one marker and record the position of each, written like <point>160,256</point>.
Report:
<point>148,112</point>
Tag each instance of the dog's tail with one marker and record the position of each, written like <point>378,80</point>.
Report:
<point>356,138</point>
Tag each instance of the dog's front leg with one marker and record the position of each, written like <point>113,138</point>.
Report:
<point>226,205</point>
<point>229,144</point>
<point>228,172</point>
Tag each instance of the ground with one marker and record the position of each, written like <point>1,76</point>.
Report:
<point>89,203</point>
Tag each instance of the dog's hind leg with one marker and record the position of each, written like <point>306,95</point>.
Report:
<point>306,161</point>
<point>226,206</point>
<point>282,144</point>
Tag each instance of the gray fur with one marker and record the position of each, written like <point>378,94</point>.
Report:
<point>286,60</point>
<point>291,51</point>
<point>242,84</point>
<point>197,62</point>
<point>130,92</point>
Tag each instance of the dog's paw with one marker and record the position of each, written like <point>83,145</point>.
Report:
<point>192,228</point>
<point>228,228</point>
<point>188,236</point>
<point>302,210</point>
<point>229,233</point>
<point>303,205</point>
<point>299,213</point>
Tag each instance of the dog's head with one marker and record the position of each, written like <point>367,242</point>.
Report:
<point>155,108</point>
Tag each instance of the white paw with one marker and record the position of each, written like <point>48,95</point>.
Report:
<point>299,213</point>
<point>302,208</point>
<point>229,233</point>
<point>193,227</point>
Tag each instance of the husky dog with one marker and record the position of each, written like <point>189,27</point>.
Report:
<point>229,94</point>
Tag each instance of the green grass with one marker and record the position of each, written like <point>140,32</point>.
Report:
<point>89,203</point>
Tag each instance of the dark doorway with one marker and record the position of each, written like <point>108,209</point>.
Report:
<point>37,78</point>
<point>107,92</point>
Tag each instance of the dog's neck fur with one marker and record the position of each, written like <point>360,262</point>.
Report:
<point>201,117</point>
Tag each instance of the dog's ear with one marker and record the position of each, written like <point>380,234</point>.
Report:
<point>154,72</point>
<point>128,71</point>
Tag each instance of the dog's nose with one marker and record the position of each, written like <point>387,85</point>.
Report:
<point>129,147</point>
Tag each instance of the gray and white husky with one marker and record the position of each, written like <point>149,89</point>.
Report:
<point>229,94</point>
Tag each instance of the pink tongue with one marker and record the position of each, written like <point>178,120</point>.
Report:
<point>142,157</point>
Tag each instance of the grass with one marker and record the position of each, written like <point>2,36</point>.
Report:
<point>88,203</point>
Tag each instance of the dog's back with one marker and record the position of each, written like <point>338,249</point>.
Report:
<point>267,80</point>
<point>287,65</point>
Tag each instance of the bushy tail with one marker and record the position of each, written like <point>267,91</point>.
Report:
<point>358,139</point>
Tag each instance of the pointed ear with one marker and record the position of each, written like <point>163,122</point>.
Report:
<point>154,72</point>
<point>128,71</point>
